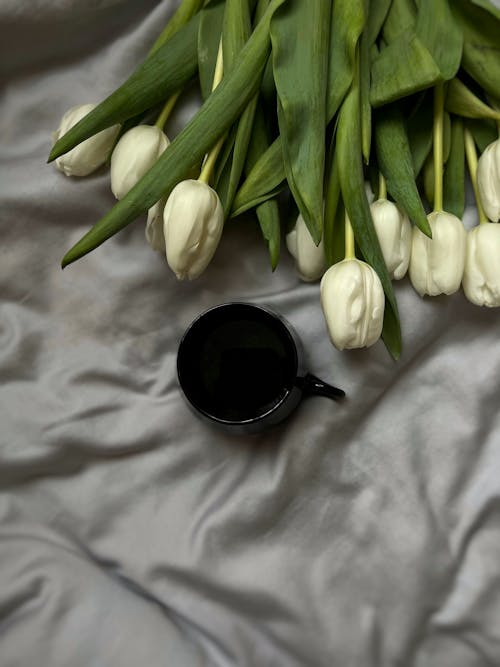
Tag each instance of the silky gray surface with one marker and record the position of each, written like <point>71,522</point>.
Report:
<point>360,534</point>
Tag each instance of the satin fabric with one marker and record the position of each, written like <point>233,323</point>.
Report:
<point>364,533</point>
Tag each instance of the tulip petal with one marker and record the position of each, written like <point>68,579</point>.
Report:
<point>352,299</point>
<point>437,264</point>
<point>481,281</point>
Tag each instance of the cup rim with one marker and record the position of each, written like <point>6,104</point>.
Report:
<point>285,327</point>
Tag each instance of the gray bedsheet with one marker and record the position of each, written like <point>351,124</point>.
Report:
<point>365,533</point>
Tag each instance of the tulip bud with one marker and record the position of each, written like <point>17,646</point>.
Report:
<point>134,155</point>
<point>437,264</point>
<point>488,180</point>
<point>353,301</point>
<point>154,226</point>
<point>309,258</point>
<point>192,223</point>
<point>394,234</point>
<point>481,281</point>
<point>90,154</point>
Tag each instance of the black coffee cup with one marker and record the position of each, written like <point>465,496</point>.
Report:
<point>240,367</point>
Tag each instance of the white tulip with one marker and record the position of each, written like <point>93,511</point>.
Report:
<point>488,180</point>
<point>154,226</point>
<point>192,224</point>
<point>309,258</point>
<point>481,281</point>
<point>90,154</point>
<point>353,301</point>
<point>134,155</point>
<point>394,234</point>
<point>437,264</point>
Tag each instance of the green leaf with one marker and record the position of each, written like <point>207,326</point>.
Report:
<point>403,68</point>
<point>396,164</point>
<point>484,132</point>
<point>419,129</point>
<point>269,221</point>
<point>338,241</point>
<point>236,31</point>
<point>225,155</point>
<point>291,212</point>
<point>352,186</point>
<point>213,119</point>
<point>222,185</point>
<point>454,173</point>
<point>441,34</point>
<point>391,333</point>
<point>160,75</point>
<point>333,202</point>
<point>267,212</point>
<point>402,16</point>
<point>373,177</point>
<point>300,69</point>
<point>348,19</point>
<point>462,101</point>
<point>209,36</point>
<point>186,10</point>
<point>264,180</point>
<point>420,56</point>
<point>481,54</point>
<point>366,110</point>
<point>446,136</point>
<point>260,199</point>
<point>268,87</point>
<point>376,18</point>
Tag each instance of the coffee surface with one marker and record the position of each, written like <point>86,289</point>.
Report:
<point>240,367</point>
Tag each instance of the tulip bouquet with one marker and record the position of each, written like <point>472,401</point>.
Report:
<point>309,107</point>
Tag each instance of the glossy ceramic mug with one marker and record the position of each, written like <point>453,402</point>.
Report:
<point>240,367</point>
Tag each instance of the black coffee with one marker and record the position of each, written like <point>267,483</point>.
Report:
<point>238,362</point>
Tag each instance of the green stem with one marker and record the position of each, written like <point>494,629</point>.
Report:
<point>470,152</point>
<point>382,186</point>
<point>167,110</point>
<point>437,134</point>
<point>349,239</point>
<point>211,158</point>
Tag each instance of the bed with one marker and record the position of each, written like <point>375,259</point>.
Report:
<point>359,533</point>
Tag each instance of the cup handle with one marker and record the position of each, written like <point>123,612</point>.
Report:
<point>313,386</point>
